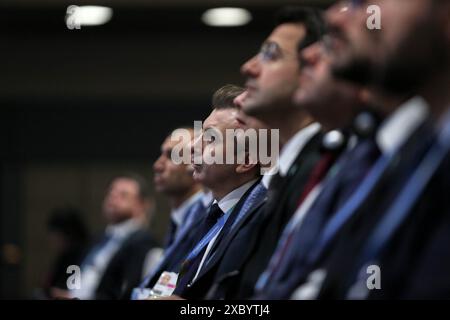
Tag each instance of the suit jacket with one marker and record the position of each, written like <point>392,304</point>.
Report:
<point>342,263</point>
<point>343,248</point>
<point>224,257</point>
<point>124,271</point>
<point>280,206</point>
<point>415,264</point>
<point>184,245</point>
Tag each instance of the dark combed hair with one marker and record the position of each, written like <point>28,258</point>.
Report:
<point>224,97</point>
<point>311,18</point>
<point>144,189</point>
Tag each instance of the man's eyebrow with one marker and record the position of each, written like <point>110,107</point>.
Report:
<point>272,42</point>
<point>211,128</point>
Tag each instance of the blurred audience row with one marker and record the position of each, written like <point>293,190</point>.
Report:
<point>356,205</point>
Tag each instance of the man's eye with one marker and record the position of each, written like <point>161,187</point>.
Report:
<point>269,52</point>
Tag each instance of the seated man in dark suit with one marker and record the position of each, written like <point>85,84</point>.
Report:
<point>189,205</point>
<point>271,82</point>
<point>236,189</point>
<point>334,103</point>
<point>406,235</point>
<point>356,234</point>
<point>175,181</point>
<point>116,261</point>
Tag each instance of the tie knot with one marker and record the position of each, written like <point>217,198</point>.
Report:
<point>215,212</point>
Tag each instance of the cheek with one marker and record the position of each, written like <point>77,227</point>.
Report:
<point>174,170</point>
<point>275,75</point>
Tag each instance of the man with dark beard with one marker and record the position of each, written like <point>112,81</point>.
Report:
<point>395,228</point>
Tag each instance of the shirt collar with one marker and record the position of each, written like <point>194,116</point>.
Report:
<point>295,145</point>
<point>179,213</point>
<point>207,199</point>
<point>290,151</point>
<point>123,229</point>
<point>231,199</point>
<point>398,127</point>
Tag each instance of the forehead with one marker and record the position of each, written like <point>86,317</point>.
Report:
<point>393,11</point>
<point>124,184</point>
<point>169,143</point>
<point>287,35</point>
<point>222,118</point>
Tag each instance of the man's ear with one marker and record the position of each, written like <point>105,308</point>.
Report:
<point>248,165</point>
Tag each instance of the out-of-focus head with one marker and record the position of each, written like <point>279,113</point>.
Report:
<point>272,73</point>
<point>170,177</point>
<point>213,142</point>
<point>127,197</point>
<point>331,101</point>
<point>247,122</point>
<point>411,46</point>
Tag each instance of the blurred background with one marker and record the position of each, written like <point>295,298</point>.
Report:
<point>78,107</point>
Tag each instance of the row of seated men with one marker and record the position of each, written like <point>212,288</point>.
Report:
<point>357,206</point>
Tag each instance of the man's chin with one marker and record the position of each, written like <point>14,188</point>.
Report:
<point>198,176</point>
<point>252,108</point>
<point>357,71</point>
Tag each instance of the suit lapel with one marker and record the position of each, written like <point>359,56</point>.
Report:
<point>222,245</point>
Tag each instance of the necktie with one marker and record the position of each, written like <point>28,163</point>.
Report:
<point>341,181</point>
<point>349,207</point>
<point>258,192</point>
<point>190,265</point>
<point>285,241</point>
<point>318,174</point>
<point>211,219</point>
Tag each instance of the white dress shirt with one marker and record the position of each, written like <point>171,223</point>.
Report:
<point>290,151</point>
<point>400,125</point>
<point>91,274</point>
<point>393,133</point>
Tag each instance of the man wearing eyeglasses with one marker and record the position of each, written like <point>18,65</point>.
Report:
<point>271,82</point>
<point>409,241</point>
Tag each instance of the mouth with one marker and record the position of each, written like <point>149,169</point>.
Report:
<point>241,119</point>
